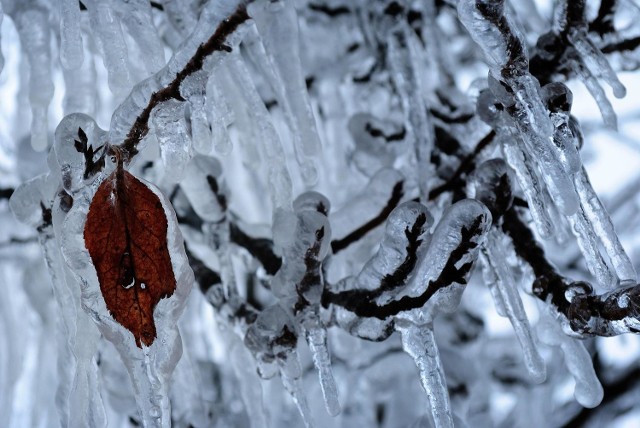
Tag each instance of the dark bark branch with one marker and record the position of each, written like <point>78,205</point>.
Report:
<point>466,166</point>
<point>610,314</point>
<point>338,245</point>
<point>360,302</point>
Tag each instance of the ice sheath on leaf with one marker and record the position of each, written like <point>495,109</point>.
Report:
<point>135,278</point>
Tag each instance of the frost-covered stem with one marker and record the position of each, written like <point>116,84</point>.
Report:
<point>419,342</point>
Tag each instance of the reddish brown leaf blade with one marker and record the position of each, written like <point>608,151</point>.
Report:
<point>126,235</point>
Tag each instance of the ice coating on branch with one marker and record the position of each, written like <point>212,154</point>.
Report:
<point>490,25</point>
<point>71,52</point>
<point>212,15</point>
<point>149,368</point>
<point>491,185</point>
<point>588,390</point>
<point>419,342</point>
<point>387,184</point>
<point>463,226</point>
<point>303,252</point>
<point>277,24</point>
<point>33,28</point>
<point>170,128</point>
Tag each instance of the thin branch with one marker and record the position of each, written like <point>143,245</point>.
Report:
<point>216,43</point>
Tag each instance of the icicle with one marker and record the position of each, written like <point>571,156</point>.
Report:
<point>83,98</point>
<point>419,342</point>
<point>111,44</point>
<point>250,387</point>
<point>603,227</point>
<point>200,132</point>
<point>136,16</point>
<point>316,336</point>
<point>1,55</point>
<point>606,109</point>
<point>280,186</point>
<point>402,54</point>
<point>33,28</point>
<point>589,245</point>
<point>595,60</point>
<point>530,185</point>
<point>494,255</point>
<point>220,116</point>
<point>588,390</point>
<point>290,373</point>
<point>71,52</point>
<point>171,131</point>
<point>277,23</point>
<point>181,18</point>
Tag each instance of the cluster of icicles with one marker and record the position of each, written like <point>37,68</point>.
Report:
<point>540,146</point>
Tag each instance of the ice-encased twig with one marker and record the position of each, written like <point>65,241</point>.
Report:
<point>494,257</point>
<point>588,389</point>
<point>419,342</point>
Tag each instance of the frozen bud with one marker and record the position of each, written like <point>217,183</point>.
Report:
<point>79,149</point>
<point>557,97</point>
<point>491,185</point>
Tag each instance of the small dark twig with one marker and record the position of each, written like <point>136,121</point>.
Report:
<point>216,43</point>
